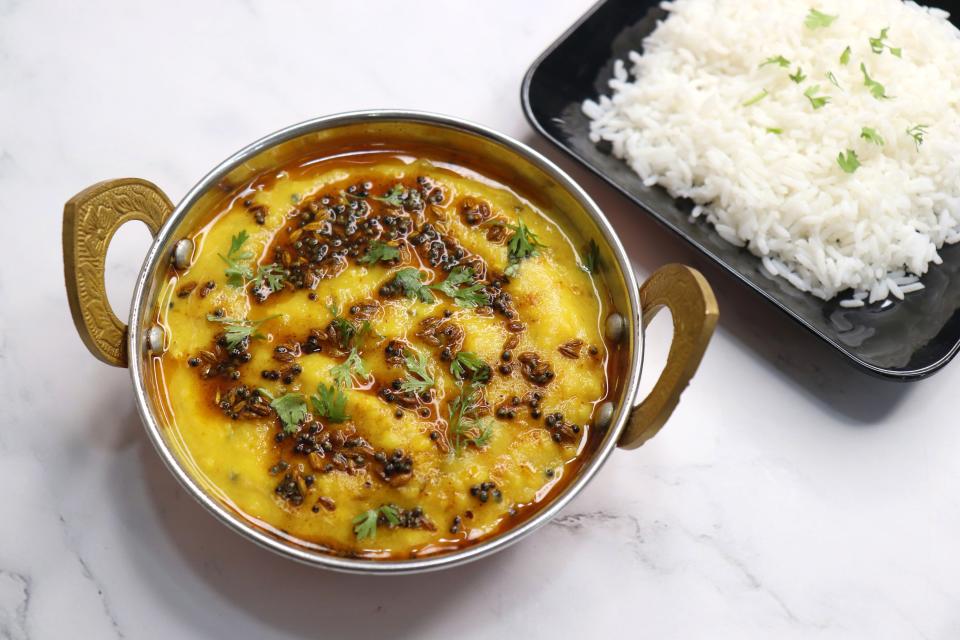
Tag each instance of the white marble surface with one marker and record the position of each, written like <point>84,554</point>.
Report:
<point>789,497</point>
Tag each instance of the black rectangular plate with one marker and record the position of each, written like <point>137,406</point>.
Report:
<point>903,340</point>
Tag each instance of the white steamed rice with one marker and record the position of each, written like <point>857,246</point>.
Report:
<point>677,117</point>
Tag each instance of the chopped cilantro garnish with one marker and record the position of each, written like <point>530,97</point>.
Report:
<point>816,102</point>
<point>330,403</point>
<point>876,89</point>
<point>757,98</point>
<point>460,286</point>
<point>394,197</point>
<point>411,281</point>
<point>344,330</point>
<point>845,56</point>
<point>468,361</point>
<point>270,276</point>
<point>870,135</point>
<point>238,273</point>
<point>238,330</point>
<point>482,439</point>
<point>522,244</point>
<point>419,379</point>
<point>849,162</point>
<point>877,45</point>
<point>378,251</point>
<point>464,424</point>
<point>292,409</point>
<point>780,61</point>
<point>343,373</point>
<point>365,524</point>
<point>818,20</point>
<point>917,132</point>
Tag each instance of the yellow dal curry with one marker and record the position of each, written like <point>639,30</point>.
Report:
<point>384,357</point>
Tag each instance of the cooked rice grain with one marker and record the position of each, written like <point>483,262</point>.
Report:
<point>677,117</point>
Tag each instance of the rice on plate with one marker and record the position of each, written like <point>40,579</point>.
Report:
<point>823,138</point>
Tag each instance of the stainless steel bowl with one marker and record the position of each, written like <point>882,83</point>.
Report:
<point>91,218</point>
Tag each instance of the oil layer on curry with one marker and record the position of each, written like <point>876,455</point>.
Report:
<point>383,356</point>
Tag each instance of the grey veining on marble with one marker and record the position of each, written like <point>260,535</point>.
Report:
<point>14,602</point>
<point>788,497</point>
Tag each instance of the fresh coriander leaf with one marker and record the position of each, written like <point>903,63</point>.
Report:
<point>456,277</point>
<point>266,394</point>
<point>486,433</point>
<point>238,330</point>
<point>774,130</point>
<point>757,98</point>
<point>876,89</point>
<point>833,80</point>
<point>378,251</point>
<point>845,56</point>
<point>870,135</point>
<point>463,420</point>
<point>816,101</point>
<point>270,276</point>
<point>292,409</point>
<point>394,197</point>
<point>345,332</point>
<point>330,403</point>
<point>818,20</point>
<point>365,525</point>
<point>343,373</point>
<point>778,60</point>
<point>590,259</point>
<point>411,281</point>
<point>878,44</point>
<point>522,244</point>
<point>418,379</point>
<point>456,286</point>
<point>366,329</point>
<point>849,162</point>
<point>468,361</point>
<point>799,76</point>
<point>236,243</point>
<point>917,132</point>
<point>238,273</point>
<point>391,514</point>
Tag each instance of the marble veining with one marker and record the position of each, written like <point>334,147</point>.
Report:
<point>88,574</point>
<point>788,497</point>
<point>14,602</point>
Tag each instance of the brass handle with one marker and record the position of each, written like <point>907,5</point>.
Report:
<point>690,299</point>
<point>90,219</point>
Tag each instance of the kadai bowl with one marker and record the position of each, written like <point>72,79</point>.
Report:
<point>382,342</point>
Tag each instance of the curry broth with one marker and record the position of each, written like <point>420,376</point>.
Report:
<point>347,407</point>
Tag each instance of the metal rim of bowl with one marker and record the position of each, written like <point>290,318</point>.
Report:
<point>154,260</point>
